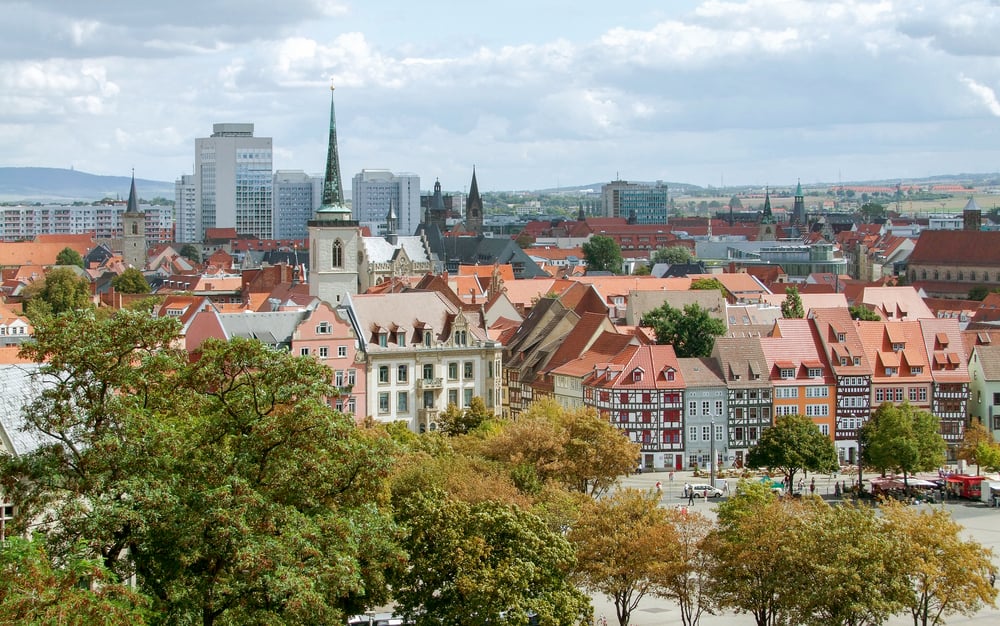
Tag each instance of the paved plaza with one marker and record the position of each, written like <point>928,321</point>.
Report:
<point>979,521</point>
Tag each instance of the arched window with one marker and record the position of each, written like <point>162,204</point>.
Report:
<point>135,228</point>
<point>923,274</point>
<point>338,254</point>
<point>935,274</point>
<point>947,275</point>
<point>961,275</point>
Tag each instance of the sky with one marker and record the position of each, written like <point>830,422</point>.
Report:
<point>535,94</point>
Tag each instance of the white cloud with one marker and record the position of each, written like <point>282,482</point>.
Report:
<point>984,93</point>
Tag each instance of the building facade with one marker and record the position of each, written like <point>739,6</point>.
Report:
<point>372,193</point>
<point>188,229</point>
<point>234,180</point>
<point>638,203</point>
<point>296,196</point>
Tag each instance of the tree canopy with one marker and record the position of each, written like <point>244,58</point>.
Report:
<point>691,332</point>
<point>863,313</point>
<point>130,281</point>
<point>707,284</point>
<point>457,421</point>
<point>61,290</point>
<point>602,254</point>
<point>902,438</point>
<point>191,252</point>
<point>793,444</point>
<point>673,255</point>
<point>69,256</point>
<point>975,435</point>
<point>791,306</point>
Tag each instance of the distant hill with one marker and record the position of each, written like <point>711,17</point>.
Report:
<point>50,184</point>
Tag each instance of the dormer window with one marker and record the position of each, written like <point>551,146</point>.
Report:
<point>323,328</point>
<point>843,360</point>
<point>637,375</point>
<point>916,369</point>
<point>841,337</point>
<point>670,374</point>
<point>787,372</point>
<point>400,338</point>
<point>427,338</point>
<point>383,339</point>
<point>857,360</point>
<point>891,371</point>
<point>815,372</point>
<point>898,347</point>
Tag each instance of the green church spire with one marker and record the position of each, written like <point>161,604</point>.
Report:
<point>333,189</point>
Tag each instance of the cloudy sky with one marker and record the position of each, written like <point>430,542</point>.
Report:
<point>535,94</point>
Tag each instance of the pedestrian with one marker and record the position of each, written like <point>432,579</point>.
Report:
<point>659,488</point>
<point>687,488</point>
<point>670,476</point>
<point>691,495</point>
<point>836,489</point>
<point>812,486</point>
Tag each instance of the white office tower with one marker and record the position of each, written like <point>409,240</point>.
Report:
<point>373,190</point>
<point>234,177</point>
<point>297,195</point>
<point>186,210</point>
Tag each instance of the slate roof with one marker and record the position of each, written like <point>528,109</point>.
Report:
<point>272,328</point>
<point>378,250</point>
<point>989,359</point>
<point>20,386</point>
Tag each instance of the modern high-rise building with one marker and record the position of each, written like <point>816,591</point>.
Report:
<point>186,210</point>
<point>234,178</point>
<point>296,196</point>
<point>372,191</point>
<point>636,202</point>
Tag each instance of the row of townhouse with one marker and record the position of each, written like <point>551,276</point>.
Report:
<point>831,368</point>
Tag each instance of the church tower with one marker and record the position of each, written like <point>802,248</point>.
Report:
<point>799,208</point>
<point>474,207</point>
<point>334,237</point>
<point>134,232</point>
<point>768,228</point>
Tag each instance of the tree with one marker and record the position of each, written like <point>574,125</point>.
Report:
<point>602,254</point>
<point>77,592</point>
<point>226,485</point>
<point>692,332</point>
<point>60,291</point>
<point>456,421</point>
<point>69,256</point>
<point>707,284</point>
<point>902,439</point>
<point>624,543</point>
<point>794,443</point>
<point>191,252</point>
<point>130,281</point>
<point>988,456</point>
<point>472,563</point>
<point>871,211</point>
<point>947,573</point>
<point>688,581</point>
<point>573,448</point>
<point>673,255</point>
<point>642,269</point>
<point>791,306</point>
<point>863,313</point>
<point>979,292</point>
<point>975,434</point>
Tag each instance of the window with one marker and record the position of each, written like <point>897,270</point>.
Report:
<point>467,370</point>
<point>324,352</point>
<point>338,378</point>
<point>6,516</point>
<point>400,339</point>
<point>341,352</point>
<point>402,402</point>
<point>323,328</point>
<point>718,407</point>
<point>922,394</point>
<point>383,402</point>
<point>738,433</point>
<point>718,432</point>
<point>705,407</point>
<point>825,429</point>
<point>304,351</point>
<point>912,394</point>
<point>427,338</point>
<point>467,397</point>
<point>692,433</point>
<point>786,392</point>
<point>890,371</point>
<point>428,399</point>
<point>817,392</point>
<point>879,395</point>
<point>789,409</point>
<point>402,374</point>
<point>817,410</point>
<point>899,394</point>
<point>787,372</point>
<point>428,371</point>
<point>693,407</point>
<point>706,433</point>
<point>453,396</point>
<point>337,258</point>
<point>383,374</point>
<point>383,339</point>
<point>815,372</point>
<point>670,375</point>
<point>841,337</point>
<point>916,369</point>
<point>453,371</point>
<point>857,360</point>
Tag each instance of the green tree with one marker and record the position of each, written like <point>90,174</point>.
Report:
<point>602,254</point>
<point>791,306</point>
<point>794,443</point>
<point>77,592</point>
<point>691,332</point>
<point>191,252</point>
<point>863,313</point>
<point>903,439</point>
<point>60,291</point>
<point>948,574</point>
<point>642,269</point>
<point>975,434</point>
<point>456,421</point>
<point>573,448</point>
<point>706,284</point>
<point>69,256</point>
<point>226,485</point>
<point>979,292</point>
<point>871,211</point>
<point>625,544</point>
<point>688,580</point>
<point>673,255</point>
<point>130,281</point>
<point>988,456</point>
<point>471,563</point>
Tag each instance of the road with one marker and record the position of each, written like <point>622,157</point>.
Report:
<point>980,523</point>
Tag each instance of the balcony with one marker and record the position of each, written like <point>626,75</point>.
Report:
<point>429,383</point>
<point>428,415</point>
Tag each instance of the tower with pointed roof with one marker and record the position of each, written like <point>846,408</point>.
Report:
<point>474,207</point>
<point>390,225</point>
<point>334,237</point>
<point>799,208</point>
<point>768,228</point>
<point>134,231</point>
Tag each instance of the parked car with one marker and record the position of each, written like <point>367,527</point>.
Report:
<point>706,491</point>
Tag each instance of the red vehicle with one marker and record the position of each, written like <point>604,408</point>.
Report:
<point>964,486</point>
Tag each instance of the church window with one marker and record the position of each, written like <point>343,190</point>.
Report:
<point>338,254</point>
<point>135,228</point>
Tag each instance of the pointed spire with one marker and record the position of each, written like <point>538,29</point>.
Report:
<point>133,197</point>
<point>333,189</point>
<point>798,188</point>
<point>474,187</point>
<point>767,217</point>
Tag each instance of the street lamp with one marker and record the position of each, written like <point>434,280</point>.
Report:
<point>711,453</point>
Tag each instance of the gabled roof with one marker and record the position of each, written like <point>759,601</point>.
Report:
<point>21,384</point>
<point>795,344</point>
<point>896,303</point>
<point>832,324</point>
<point>743,357</point>
<point>957,247</point>
<point>641,367</point>
<point>943,343</point>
